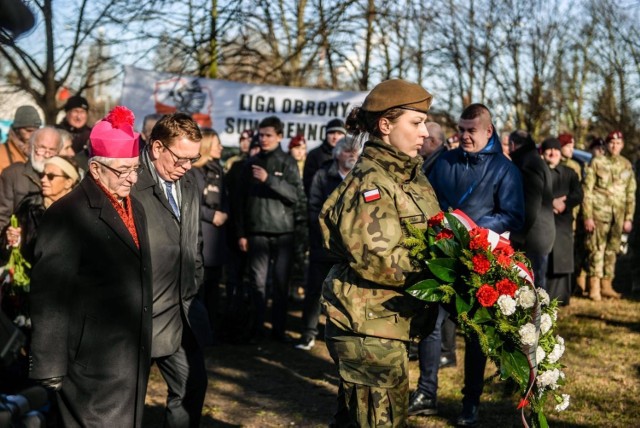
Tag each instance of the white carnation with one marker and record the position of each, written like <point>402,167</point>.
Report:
<point>543,296</point>
<point>545,323</point>
<point>540,354</point>
<point>557,351</point>
<point>564,404</point>
<point>525,297</point>
<point>507,305</point>
<point>528,334</point>
<point>554,315</point>
<point>548,379</point>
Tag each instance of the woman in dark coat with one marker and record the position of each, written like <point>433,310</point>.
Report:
<point>213,216</point>
<point>59,176</point>
<point>567,194</point>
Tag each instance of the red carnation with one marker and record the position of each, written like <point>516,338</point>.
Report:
<point>436,220</point>
<point>487,295</point>
<point>506,286</point>
<point>445,234</point>
<point>120,116</point>
<point>479,239</point>
<point>481,264</point>
<point>508,250</point>
<point>502,259</point>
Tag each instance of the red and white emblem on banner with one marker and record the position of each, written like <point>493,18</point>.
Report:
<point>371,195</point>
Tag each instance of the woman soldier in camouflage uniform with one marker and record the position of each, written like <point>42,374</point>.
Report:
<point>363,223</point>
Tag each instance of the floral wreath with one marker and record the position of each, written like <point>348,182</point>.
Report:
<point>496,301</point>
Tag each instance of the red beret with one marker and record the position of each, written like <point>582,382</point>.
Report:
<point>296,141</point>
<point>614,135</point>
<point>565,139</point>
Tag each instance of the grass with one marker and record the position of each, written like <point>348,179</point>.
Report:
<point>602,367</point>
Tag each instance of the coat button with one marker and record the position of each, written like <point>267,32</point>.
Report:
<point>145,308</point>
<point>370,314</point>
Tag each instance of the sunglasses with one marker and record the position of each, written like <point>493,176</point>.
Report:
<point>50,175</point>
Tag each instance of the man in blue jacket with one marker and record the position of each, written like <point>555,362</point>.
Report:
<point>479,180</point>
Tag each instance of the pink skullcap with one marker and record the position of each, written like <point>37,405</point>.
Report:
<point>614,135</point>
<point>113,136</point>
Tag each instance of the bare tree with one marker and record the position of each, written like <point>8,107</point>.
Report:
<point>65,59</point>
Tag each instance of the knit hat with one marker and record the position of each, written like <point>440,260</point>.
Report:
<point>614,135</point>
<point>26,117</point>
<point>565,139</point>
<point>397,93</point>
<point>551,143</point>
<point>113,136</point>
<point>336,125</point>
<point>297,141</point>
<point>76,101</point>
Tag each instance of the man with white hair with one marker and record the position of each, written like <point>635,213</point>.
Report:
<point>91,289</point>
<point>20,179</point>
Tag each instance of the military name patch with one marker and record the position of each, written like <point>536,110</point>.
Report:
<point>371,195</point>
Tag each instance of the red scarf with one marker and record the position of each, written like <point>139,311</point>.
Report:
<point>124,210</point>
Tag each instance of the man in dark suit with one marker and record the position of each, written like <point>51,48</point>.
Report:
<point>180,322</point>
<point>91,289</point>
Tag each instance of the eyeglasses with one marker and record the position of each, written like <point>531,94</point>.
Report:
<point>45,151</point>
<point>50,175</point>
<point>181,161</point>
<point>123,174</point>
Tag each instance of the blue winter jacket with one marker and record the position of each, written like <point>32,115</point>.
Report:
<point>484,185</point>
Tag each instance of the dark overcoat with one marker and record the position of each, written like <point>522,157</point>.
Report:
<point>213,197</point>
<point>538,234</point>
<point>565,183</point>
<point>91,309</point>
<point>176,255</point>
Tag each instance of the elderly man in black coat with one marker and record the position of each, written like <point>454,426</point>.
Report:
<point>168,191</point>
<point>567,194</point>
<point>91,289</point>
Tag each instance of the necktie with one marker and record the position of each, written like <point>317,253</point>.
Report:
<point>172,201</point>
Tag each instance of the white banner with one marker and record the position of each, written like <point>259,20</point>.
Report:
<point>231,107</point>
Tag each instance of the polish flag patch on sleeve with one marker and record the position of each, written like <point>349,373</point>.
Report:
<point>371,195</point>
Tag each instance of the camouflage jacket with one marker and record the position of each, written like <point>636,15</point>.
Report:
<point>609,189</point>
<point>362,223</point>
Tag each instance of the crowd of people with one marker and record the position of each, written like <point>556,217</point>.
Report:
<point>144,248</point>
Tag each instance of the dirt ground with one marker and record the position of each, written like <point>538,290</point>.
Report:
<point>270,385</point>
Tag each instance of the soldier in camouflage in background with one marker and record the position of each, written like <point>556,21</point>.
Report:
<point>608,207</point>
<point>363,224</point>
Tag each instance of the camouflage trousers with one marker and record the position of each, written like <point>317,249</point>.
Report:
<point>603,245</point>
<point>374,382</point>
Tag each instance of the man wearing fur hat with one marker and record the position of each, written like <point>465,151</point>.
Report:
<point>91,289</point>
<point>17,148</point>
<point>75,121</point>
<point>608,207</point>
